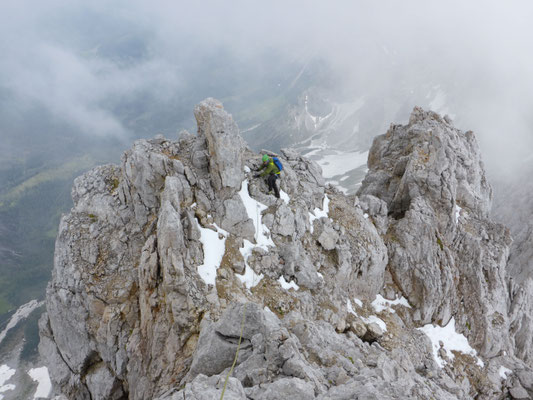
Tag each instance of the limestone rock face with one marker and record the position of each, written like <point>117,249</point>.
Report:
<point>224,144</point>
<point>445,255</point>
<point>176,264</point>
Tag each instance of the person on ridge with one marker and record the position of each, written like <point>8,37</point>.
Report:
<point>272,171</point>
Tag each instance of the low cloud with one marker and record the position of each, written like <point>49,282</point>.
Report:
<point>81,61</point>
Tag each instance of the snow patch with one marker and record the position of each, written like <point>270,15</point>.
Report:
<point>319,213</point>
<point>254,210</point>
<point>376,320</point>
<point>5,374</point>
<point>261,236</point>
<point>451,340</point>
<point>284,196</point>
<point>214,248</point>
<point>504,372</point>
<point>366,320</point>
<point>23,312</point>
<point>41,376</point>
<point>249,278</point>
<point>457,213</point>
<point>381,304</point>
<point>358,302</point>
<point>287,285</point>
<point>341,162</point>
<point>349,307</point>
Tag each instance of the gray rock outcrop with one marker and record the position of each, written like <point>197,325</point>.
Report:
<point>446,256</point>
<point>174,262</point>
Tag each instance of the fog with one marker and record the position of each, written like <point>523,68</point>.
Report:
<point>82,62</point>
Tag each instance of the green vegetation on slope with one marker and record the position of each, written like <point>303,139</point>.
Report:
<point>29,213</point>
<point>60,173</point>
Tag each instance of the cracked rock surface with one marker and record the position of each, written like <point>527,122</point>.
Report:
<point>170,262</point>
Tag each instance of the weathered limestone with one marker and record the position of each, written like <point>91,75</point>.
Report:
<point>445,255</point>
<point>160,259</point>
<point>224,144</point>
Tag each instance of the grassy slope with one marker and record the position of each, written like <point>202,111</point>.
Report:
<point>30,215</point>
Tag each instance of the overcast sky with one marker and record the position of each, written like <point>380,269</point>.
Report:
<point>75,57</point>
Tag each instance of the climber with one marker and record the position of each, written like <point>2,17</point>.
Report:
<point>272,171</point>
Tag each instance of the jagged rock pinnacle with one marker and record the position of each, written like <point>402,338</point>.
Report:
<point>160,260</point>
<point>224,143</point>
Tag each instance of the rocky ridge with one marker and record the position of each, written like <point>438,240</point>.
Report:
<point>162,259</point>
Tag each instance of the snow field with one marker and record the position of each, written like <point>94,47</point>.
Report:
<point>5,374</point>
<point>44,386</point>
<point>451,340</point>
<point>23,312</point>
<point>340,162</point>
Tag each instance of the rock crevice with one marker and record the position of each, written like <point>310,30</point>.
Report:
<point>161,258</point>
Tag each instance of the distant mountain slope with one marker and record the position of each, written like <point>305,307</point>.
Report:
<point>513,206</point>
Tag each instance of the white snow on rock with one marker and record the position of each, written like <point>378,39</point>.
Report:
<point>366,320</point>
<point>457,213</point>
<point>284,196</point>
<point>349,307</point>
<point>44,385</point>
<point>249,278</point>
<point>214,249</point>
<point>503,371</point>
<point>262,235</point>
<point>287,285</point>
<point>341,162</point>
<point>254,210</point>
<point>319,213</point>
<point>451,340</point>
<point>376,320</point>
<point>358,302</point>
<point>19,315</point>
<point>381,304</point>
<point>5,374</point>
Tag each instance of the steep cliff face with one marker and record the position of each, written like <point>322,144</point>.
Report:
<point>166,263</point>
<point>446,256</point>
<point>514,206</point>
